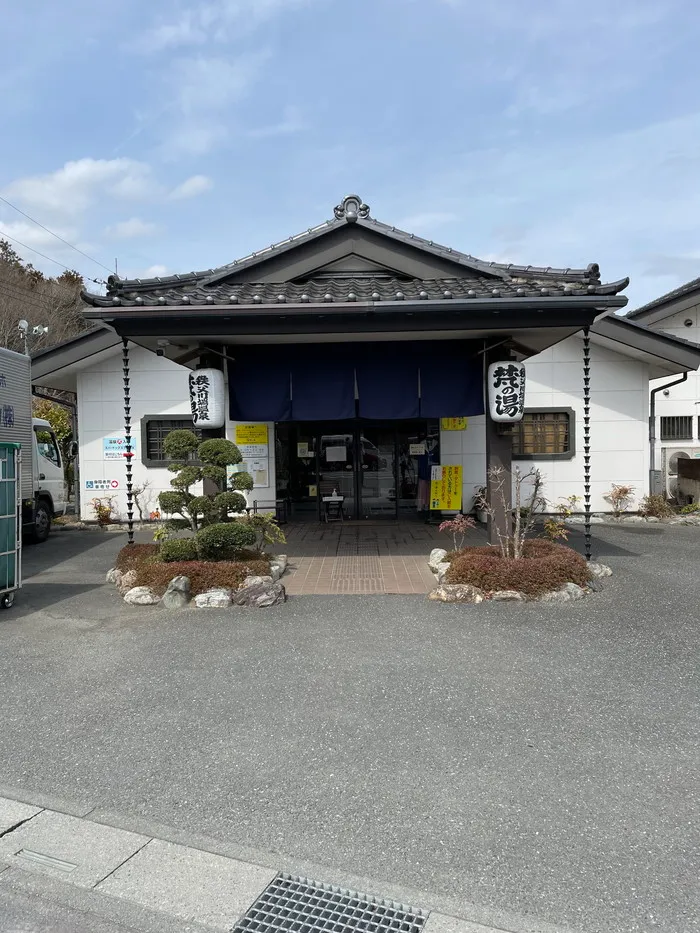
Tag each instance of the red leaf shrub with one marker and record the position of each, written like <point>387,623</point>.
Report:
<point>133,555</point>
<point>203,575</point>
<point>545,566</point>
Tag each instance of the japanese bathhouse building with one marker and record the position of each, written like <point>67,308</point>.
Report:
<point>354,359</point>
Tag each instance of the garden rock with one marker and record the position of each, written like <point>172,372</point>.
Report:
<point>213,599</point>
<point>437,556</point>
<point>555,596</point>
<point>275,572</point>
<point>127,581</point>
<point>177,595</point>
<point>652,518</point>
<point>599,570</point>
<point>581,520</point>
<point>114,576</point>
<point>282,560</point>
<point>574,590</point>
<point>442,570</point>
<point>457,593</point>
<point>260,596</point>
<point>141,596</point>
<point>507,595</point>
<point>256,581</point>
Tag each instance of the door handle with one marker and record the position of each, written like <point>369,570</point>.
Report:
<point>42,476</point>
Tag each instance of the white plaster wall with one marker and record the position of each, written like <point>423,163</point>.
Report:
<point>683,399</point>
<point>619,432</point>
<point>158,386</point>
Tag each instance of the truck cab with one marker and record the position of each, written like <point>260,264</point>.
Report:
<point>49,481</point>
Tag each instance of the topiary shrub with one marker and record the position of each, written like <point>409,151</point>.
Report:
<point>544,566</point>
<point>188,510</point>
<point>223,540</point>
<point>178,549</point>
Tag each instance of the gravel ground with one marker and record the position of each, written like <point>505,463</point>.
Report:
<point>534,760</point>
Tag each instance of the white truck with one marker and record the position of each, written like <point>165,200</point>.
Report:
<point>43,482</point>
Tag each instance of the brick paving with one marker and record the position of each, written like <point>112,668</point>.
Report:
<point>362,557</point>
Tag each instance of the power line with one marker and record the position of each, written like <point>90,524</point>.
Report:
<point>48,258</point>
<point>19,211</point>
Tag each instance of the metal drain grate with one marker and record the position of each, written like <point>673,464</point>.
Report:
<point>297,905</point>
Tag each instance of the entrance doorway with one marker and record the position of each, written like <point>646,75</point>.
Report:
<point>378,470</point>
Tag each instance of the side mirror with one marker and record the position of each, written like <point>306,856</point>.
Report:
<point>73,450</point>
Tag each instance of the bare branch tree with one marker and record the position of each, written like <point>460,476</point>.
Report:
<point>512,541</point>
<point>26,294</point>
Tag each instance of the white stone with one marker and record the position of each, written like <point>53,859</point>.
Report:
<point>457,593</point>
<point>632,519</point>
<point>442,570</point>
<point>114,576</point>
<point>282,560</point>
<point>177,594</point>
<point>505,595</point>
<point>437,557</point>
<point>213,599</point>
<point>127,581</point>
<point>574,590</point>
<point>652,518</point>
<point>555,596</point>
<point>141,596</point>
<point>599,570</point>
<point>256,581</point>
<point>275,572</point>
<point>581,520</point>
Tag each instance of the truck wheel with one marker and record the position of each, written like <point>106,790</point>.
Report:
<point>7,600</point>
<point>42,523</point>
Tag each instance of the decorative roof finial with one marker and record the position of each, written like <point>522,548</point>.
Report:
<point>350,208</point>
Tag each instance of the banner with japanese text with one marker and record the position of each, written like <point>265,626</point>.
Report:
<point>446,488</point>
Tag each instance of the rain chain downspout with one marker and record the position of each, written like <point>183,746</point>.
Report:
<point>652,427</point>
<point>128,453</point>
<point>587,437</point>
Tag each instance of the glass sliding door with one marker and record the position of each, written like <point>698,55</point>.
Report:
<point>336,466</point>
<point>376,470</point>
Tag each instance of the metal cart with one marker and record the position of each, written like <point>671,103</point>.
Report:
<point>10,523</point>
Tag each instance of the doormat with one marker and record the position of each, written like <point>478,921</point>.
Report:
<point>297,905</point>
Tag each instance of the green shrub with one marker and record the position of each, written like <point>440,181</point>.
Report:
<point>230,502</point>
<point>265,529</point>
<point>656,506</point>
<point>690,508</point>
<point>219,452</point>
<point>202,576</point>
<point>242,481</point>
<point>543,567</point>
<point>178,549</point>
<point>178,445</point>
<point>223,540</point>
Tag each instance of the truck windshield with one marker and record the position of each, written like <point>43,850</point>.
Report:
<point>46,444</point>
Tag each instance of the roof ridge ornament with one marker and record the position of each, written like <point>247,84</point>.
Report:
<point>350,208</point>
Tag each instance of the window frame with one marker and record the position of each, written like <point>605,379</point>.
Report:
<point>149,462</point>
<point>52,434</point>
<point>676,439</point>
<point>568,454</point>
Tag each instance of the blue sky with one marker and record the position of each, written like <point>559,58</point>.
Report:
<point>178,136</point>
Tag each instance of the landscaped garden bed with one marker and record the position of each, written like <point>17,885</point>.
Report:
<point>222,559</point>
<point>520,567</point>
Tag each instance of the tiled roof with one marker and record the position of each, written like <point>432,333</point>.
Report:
<point>481,279</point>
<point>352,288</point>
<point>679,292</point>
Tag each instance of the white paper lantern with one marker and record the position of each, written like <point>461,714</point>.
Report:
<point>506,383</point>
<point>207,398</point>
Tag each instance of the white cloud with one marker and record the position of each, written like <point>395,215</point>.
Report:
<point>153,272</point>
<point>217,20</point>
<point>72,189</point>
<point>190,188</point>
<point>211,84</point>
<point>425,221</point>
<point>130,229</point>
<point>35,237</point>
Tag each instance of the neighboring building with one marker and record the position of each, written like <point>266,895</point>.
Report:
<point>676,403</point>
<point>352,343</point>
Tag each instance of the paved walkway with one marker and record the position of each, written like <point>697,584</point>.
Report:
<point>366,557</point>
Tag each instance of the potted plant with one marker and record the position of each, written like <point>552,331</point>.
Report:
<point>481,504</point>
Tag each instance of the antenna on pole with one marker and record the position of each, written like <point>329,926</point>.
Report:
<point>116,267</point>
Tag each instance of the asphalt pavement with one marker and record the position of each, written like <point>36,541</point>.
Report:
<point>515,765</point>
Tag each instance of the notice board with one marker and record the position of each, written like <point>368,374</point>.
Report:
<point>446,488</point>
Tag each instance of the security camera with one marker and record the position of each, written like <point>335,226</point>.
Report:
<point>162,344</point>
<point>688,322</point>
<point>667,392</point>
<point>23,326</point>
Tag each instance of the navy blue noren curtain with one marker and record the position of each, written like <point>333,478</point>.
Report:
<point>259,388</point>
<point>387,381</point>
<point>323,383</point>
<point>451,382</point>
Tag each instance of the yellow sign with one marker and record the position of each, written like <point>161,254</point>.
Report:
<point>251,434</point>
<point>446,488</point>
<point>453,424</point>
<point>313,491</point>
